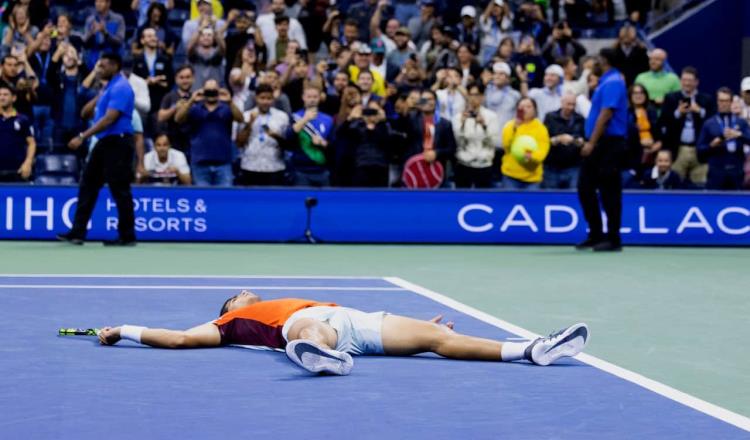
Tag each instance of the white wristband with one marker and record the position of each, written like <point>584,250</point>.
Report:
<point>131,333</point>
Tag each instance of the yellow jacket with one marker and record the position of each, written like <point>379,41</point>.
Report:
<point>530,172</point>
<point>378,83</point>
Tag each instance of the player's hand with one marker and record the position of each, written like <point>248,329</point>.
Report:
<point>75,143</point>
<point>109,335</point>
<point>438,318</point>
<point>587,149</point>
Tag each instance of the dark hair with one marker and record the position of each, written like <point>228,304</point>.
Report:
<point>112,57</point>
<point>533,102</point>
<point>184,67</point>
<point>431,92</point>
<point>632,89</point>
<point>367,72</point>
<point>475,85</point>
<point>609,55</point>
<point>225,306</point>
<point>725,90</point>
<point>2,61</point>
<point>8,87</point>
<point>281,19</point>
<point>162,134</point>
<point>263,88</point>
<point>690,70</point>
<point>351,22</point>
<point>162,19</point>
<point>564,61</point>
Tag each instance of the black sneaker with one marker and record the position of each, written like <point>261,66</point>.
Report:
<point>588,243</point>
<point>119,242</point>
<point>68,238</point>
<point>607,246</point>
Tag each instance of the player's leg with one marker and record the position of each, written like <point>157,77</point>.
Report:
<point>312,346</point>
<point>407,336</point>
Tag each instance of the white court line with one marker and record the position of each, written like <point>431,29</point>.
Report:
<point>183,287</point>
<point>716,411</point>
<point>239,277</point>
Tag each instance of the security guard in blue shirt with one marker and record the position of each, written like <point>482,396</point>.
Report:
<point>111,160</point>
<point>603,155</point>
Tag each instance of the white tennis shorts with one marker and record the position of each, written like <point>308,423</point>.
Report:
<point>359,333</point>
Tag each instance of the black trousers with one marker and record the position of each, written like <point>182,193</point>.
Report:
<point>468,177</point>
<point>111,162</point>
<point>252,178</point>
<point>601,172</point>
<point>727,177</point>
<point>371,176</point>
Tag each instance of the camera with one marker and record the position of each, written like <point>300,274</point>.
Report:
<point>369,112</point>
<point>210,93</point>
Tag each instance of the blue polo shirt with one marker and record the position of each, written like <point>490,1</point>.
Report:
<point>322,125</point>
<point>118,95</point>
<point>210,134</point>
<point>613,94</point>
<point>14,131</point>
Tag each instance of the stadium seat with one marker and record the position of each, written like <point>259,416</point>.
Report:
<point>56,169</point>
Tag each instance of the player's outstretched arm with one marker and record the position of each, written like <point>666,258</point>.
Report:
<point>206,335</point>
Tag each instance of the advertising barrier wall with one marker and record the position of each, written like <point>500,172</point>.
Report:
<point>379,216</point>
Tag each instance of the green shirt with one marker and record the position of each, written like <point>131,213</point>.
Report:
<point>658,84</point>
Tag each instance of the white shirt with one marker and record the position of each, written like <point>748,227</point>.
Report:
<point>502,101</point>
<point>583,105</point>
<point>175,159</point>
<point>140,90</point>
<point>191,27</point>
<point>267,25</point>
<point>547,101</point>
<point>451,103</point>
<point>476,144</point>
<point>262,154</point>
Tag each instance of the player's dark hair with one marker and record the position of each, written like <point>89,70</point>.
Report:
<point>225,307</point>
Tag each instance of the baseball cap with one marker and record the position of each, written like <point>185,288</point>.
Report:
<point>469,11</point>
<point>499,2</point>
<point>377,45</point>
<point>364,49</point>
<point>403,30</point>
<point>745,85</point>
<point>501,67</point>
<point>555,70</point>
<point>426,2</point>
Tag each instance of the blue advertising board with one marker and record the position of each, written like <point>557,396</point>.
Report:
<point>379,216</point>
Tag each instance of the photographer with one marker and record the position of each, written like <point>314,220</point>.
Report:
<point>477,131</point>
<point>178,134</point>
<point>209,113</point>
<point>368,135</point>
<point>206,53</point>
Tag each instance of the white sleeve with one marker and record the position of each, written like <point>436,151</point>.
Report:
<point>296,32</point>
<point>140,89</point>
<point>180,162</point>
<point>149,161</point>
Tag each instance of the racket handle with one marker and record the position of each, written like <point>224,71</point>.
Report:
<point>78,332</point>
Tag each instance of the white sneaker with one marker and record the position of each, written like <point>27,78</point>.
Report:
<point>566,342</point>
<point>316,358</point>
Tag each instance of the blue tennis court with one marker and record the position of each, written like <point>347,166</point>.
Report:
<point>71,387</point>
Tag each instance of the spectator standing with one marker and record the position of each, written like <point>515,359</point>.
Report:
<point>427,133</point>
<point>311,134</point>
<point>721,144</point>
<point>451,95</point>
<point>529,64</point>
<point>179,134</point>
<point>164,164</point>
<point>155,67</point>
<point>397,58</point>
<point>205,19</point>
<point>363,61</point>
<point>112,158</point>
<point>18,147</point>
<point>661,176</point>
<point>105,32</point>
<point>206,54</point>
<point>468,32</point>
<point>548,98</point>
<point>477,131</point>
<point>368,135</point>
<point>268,29</point>
<point>261,140</point>
<point>157,20</point>
<point>603,153</point>
<point>682,116</point>
<point>631,55</point>
<point>745,104</point>
<point>209,113</point>
<point>47,71</point>
<point>644,136</point>
<point>66,109</point>
<point>65,33</point>
<point>566,131</point>
<point>494,23</point>
<point>17,73</point>
<point>143,8</point>
<point>420,27</point>
<point>499,96</point>
<point>562,44</point>
<point>363,11</point>
<point>470,69</point>
<point>525,173</point>
<point>19,33</point>
<point>657,81</point>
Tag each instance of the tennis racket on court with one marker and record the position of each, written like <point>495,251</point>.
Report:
<point>78,332</point>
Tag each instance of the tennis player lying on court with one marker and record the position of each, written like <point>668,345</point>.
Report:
<point>321,337</point>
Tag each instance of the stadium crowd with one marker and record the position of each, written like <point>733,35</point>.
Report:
<point>368,93</point>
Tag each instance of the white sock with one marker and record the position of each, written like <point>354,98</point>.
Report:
<point>513,351</point>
